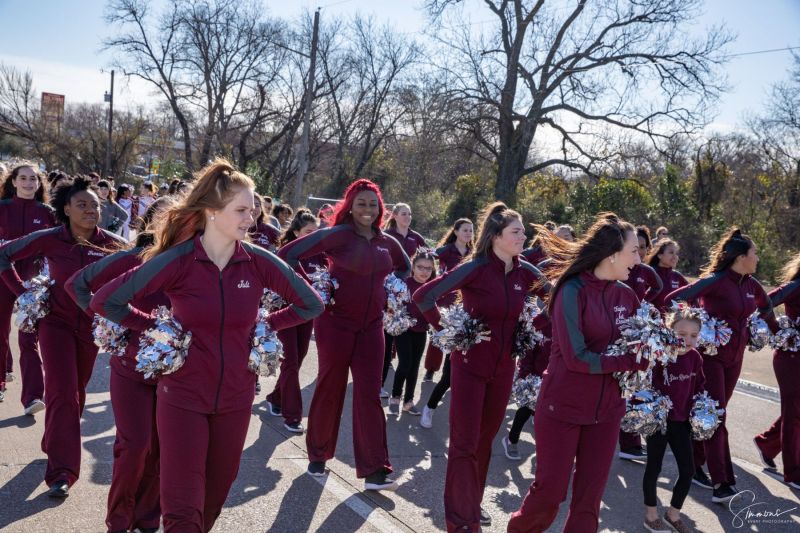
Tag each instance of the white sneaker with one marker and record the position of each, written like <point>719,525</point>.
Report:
<point>794,485</point>
<point>427,417</point>
<point>34,407</point>
<point>384,394</point>
<point>394,406</point>
<point>9,377</point>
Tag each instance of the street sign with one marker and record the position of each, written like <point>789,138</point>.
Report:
<point>53,106</point>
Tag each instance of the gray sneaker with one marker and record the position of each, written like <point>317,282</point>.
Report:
<point>511,449</point>
<point>394,406</point>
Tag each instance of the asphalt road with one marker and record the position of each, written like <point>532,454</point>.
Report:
<point>273,493</point>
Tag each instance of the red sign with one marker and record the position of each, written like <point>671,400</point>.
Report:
<point>53,106</point>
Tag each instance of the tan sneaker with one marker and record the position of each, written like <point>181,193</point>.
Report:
<point>678,525</point>
<point>657,526</point>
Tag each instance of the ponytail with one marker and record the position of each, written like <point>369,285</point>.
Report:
<point>723,254</point>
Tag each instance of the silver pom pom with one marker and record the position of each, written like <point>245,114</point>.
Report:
<point>163,348</point>
<point>760,334</point>
<point>646,412</point>
<point>526,336</point>
<point>787,337</point>
<point>525,391</point>
<point>34,303</point>
<point>271,301</point>
<point>647,337</point>
<point>266,351</point>
<point>713,334</point>
<point>705,417</point>
<point>110,337</point>
<point>324,284</point>
<point>396,319</point>
<point>459,330</point>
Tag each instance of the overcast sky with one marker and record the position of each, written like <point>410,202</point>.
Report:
<point>59,42</point>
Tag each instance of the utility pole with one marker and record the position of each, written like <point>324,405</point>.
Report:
<point>109,97</point>
<point>302,167</point>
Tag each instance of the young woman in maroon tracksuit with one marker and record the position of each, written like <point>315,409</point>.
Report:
<point>399,226</point>
<point>23,210</point>
<point>411,343</point>
<point>65,334</point>
<point>680,381</point>
<point>726,291</point>
<point>664,258</point>
<point>262,232</point>
<point>452,249</point>
<point>784,435</point>
<point>214,282</point>
<point>285,399</point>
<point>647,285</point>
<point>133,498</point>
<point>580,406</point>
<point>349,333</point>
<point>493,284</point>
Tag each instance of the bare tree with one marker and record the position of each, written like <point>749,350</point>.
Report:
<point>579,73</point>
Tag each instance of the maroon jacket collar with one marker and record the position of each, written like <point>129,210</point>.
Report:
<point>22,201</point>
<point>736,277</point>
<point>239,253</point>
<point>590,280</point>
<point>499,264</point>
<point>66,235</point>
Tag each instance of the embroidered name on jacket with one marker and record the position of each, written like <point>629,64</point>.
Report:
<point>679,377</point>
<point>95,254</point>
<point>382,249</point>
<point>749,295</point>
<point>517,287</point>
<point>621,312</point>
<point>37,221</point>
<point>244,284</point>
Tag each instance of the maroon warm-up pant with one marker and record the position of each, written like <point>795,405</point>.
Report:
<point>133,498</point>
<point>200,456</point>
<point>360,352</point>
<point>287,389</point>
<point>68,357</point>
<point>29,361</point>
<point>477,409</point>
<point>720,383</point>
<point>784,435</point>
<point>559,446</point>
<point>629,441</point>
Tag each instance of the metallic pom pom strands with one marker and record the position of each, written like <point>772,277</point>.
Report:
<point>459,330</point>
<point>525,391</point>
<point>646,412</point>
<point>705,417</point>
<point>324,284</point>
<point>271,301</point>
<point>396,319</point>
<point>647,337</point>
<point>34,303</point>
<point>163,348</point>
<point>526,336</point>
<point>713,334</point>
<point>266,351</point>
<point>760,334</point>
<point>109,336</point>
<point>787,337</point>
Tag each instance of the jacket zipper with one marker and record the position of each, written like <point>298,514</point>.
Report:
<point>603,382</point>
<point>221,331</point>
<point>371,279</point>
<point>505,316</point>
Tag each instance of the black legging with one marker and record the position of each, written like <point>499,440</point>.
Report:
<point>679,438</point>
<point>441,387</point>
<point>388,343</point>
<point>410,347</point>
<point>522,416</point>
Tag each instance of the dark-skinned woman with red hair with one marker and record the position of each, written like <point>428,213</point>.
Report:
<point>494,284</point>
<point>728,291</point>
<point>349,334</point>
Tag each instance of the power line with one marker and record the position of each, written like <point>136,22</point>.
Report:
<point>765,51</point>
<point>334,4</point>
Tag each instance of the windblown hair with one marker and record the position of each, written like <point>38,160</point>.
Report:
<point>493,220</point>
<point>9,190</point>
<point>791,271</point>
<point>451,237</point>
<point>604,238</point>
<point>652,258</point>
<point>302,217</point>
<point>391,223</point>
<point>215,186</point>
<point>723,254</point>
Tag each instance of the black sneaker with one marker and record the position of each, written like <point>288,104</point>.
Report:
<point>59,489</point>
<point>633,454</point>
<point>428,377</point>
<point>274,410</point>
<point>486,518</point>
<point>766,461</point>
<point>701,479</point>
<point>380,481</point>
<point>723,493</point>
<point>316,468</point>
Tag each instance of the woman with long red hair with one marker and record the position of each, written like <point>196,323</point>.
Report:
<point>349,333</point>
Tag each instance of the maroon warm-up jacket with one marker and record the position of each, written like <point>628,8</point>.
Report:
<point>672,280</point>
<point>413,308</point>
<point>65,257</point>
<point>684,379</point>
<point>410,243</point>
<point>449,257</point>
<point>578,386</point>
<point>219,308</point>
<point>19,217</point>
<point>90,279</point>
<point>787,294</point>
<point>534,255</point>
<point>731,297</point>
<point>490,295</point>
<point>352,257</point>
<point>265,235</point>
<point>645,282</point>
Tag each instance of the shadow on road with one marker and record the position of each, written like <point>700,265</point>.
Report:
<point>19,489</point>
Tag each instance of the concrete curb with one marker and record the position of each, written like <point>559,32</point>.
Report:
<point>757,389</point>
